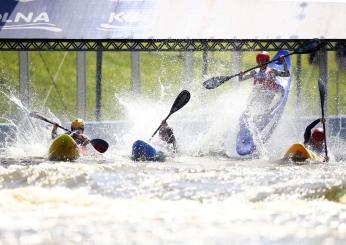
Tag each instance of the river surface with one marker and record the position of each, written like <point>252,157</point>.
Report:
<point>186,200</point>
<point>198,197</point>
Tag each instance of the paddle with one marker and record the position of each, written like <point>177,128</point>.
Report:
<point>99,144</point>
<point>322,89</point>
<point>306,47</point>
<point>179,102</point>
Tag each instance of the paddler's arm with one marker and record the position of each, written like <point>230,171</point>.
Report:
<point>86,140</point>
<point>54,131</point>
<point>285,72</point>
<point>81,139</point>
<point>171,139</point>
<point>308,129</point>
<point>174,144</point>
<point>246,77</point>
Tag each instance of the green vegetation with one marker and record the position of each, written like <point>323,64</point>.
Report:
<point>166,68</point>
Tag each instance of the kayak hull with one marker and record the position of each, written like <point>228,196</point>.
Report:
<point>63,148</point>
<point>142,151</point>
<point>299,153</point>
<point>248,138</point>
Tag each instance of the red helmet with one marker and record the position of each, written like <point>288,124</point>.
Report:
<point>317,135</point>
<point>262,57</point>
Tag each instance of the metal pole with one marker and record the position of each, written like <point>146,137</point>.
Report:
<point>337,80</point>
<point>299,82</point>
<point>136,72</point>
<point>236,63</point>
<point>205,63</point>
<point>24,77</point>
<point>188,72</point>
<point>323,67</point>
<point>81,84</point>
<point>98,84</point>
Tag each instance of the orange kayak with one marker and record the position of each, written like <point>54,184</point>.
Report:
<point>298,153</point>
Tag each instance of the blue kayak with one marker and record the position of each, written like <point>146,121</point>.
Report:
<point>142,151</point>
<point>263,127</point>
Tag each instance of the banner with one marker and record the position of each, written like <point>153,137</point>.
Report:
<point>172,19</point>
<point>72,19</point>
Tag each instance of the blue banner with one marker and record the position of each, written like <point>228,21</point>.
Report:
<point>73,19</point>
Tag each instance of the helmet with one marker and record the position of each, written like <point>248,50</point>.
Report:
<point>262,57</point>
<point>317,135</point>
<point>77,124</point>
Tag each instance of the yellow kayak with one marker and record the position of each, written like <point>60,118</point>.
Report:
<point>299,153</point>
<point>63,148</point>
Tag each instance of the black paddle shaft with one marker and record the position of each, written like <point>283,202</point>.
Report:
<point>38,116</point>
<point>181,100</point>
<point>306,47</point>
<point>99,144</point>
<point>322,89</point>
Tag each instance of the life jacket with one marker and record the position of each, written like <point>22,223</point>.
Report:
<point>314,148</point>
<point>265,79</point>
<point>78,138</point>
<point>166,134</point>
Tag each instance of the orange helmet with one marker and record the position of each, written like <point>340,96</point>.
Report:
<point>77,124</point>
<point>317,135</point>
<point>262,57</point>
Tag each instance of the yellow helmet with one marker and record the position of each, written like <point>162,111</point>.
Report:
<point>77,124</point>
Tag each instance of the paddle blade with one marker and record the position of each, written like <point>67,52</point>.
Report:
<point>309,46</point>
<point>180,101</point>
<point>215,82</point>
<point>99,145</point>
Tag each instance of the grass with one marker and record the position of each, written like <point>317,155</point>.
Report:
<point>166,68</point>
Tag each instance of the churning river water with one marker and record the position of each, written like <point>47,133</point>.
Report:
<point>186,200</point>
<point>197,197</point>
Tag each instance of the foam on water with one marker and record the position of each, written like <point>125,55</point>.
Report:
<point>32,136</point>
<point>187,200</point>
<point>197,197</point>
<point>205,120</point>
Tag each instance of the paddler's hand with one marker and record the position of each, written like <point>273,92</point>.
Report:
<point>323,120</point>
<point>282,59</point>
<point>164,124</point>
<point>241,74</point>
<point>86,141</point>
<point>54,133</point>
<point>326,159</point>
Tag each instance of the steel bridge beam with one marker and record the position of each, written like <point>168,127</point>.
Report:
<point>157,45</point>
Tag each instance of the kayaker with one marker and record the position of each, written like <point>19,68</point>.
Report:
<point>264,77</point>
<point>265,88</point>
<point>166,134</point>
<point>77,132</point>
<point>314,137</point>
